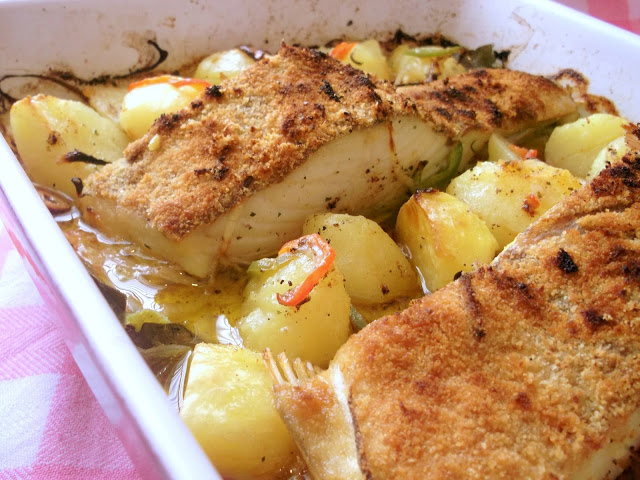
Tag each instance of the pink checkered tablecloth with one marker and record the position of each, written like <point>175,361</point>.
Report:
<point>51,426</point>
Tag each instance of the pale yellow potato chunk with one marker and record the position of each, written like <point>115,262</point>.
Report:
<point>574,146</point>
<point>313,330</point>
<point>368,57</point>
<point>230,409</point>
<point>409,69</point>
<point>142,105</point>
<point>46,128</point>
<point>443,237</point>
<point>610,154</point>
<point>221,65</point>
<point>374,267</point>
<point>106,99</point>
<point>509,196</point>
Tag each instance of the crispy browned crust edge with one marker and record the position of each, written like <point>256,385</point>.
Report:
<point>489,99</point>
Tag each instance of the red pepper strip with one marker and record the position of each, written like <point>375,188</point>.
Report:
<point>341,50</point>
<point>531,203</point>
<point>523,152</point>
<point>171,80</point>
<point>324,255</point>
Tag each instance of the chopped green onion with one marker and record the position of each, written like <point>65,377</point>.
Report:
<point>357,320</point>
<point>439,180</point>
<point>432,52</point>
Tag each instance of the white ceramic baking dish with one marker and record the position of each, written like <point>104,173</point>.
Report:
<point>91,38</point>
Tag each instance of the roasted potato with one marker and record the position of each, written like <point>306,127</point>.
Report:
<point>152,97</point>
<point>574,146</point>
<point>312,329</point>
<point>443,237</point>
<point>47,128</point>
<point>366,56</point>
<point>221,65</point>
<point>509,196</point>
<point>374,267</point>
<point>610,154</point>
<point>229,397</point>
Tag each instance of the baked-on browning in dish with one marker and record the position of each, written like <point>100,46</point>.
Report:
<point>526,368</point>
<point>235,174</point>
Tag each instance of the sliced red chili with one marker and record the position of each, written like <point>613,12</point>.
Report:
<point>323,255</point>
<point>531,203</point>
<point>523,153</point>
<point>342,50</point>
<point>171,80</point>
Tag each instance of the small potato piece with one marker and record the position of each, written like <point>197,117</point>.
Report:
<point>612,153</point>
<point>450,67</point>
<point>312,330</point>
<point>574,146</point>
<point>366,56</point>
<point>410,69</point>
<point>443,236</point>
<point>221,65</point>
<point>45,128</point>
<point>374,267</point>
<point>106,99</point>
<point>230,409</point>
<point>142,105</point>
<point>509,196</point>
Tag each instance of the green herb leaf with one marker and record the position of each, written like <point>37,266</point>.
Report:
<point>357,320</point>
<point>432,52</point>
<point>441,179</point>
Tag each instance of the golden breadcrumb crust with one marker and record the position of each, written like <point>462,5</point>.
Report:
<point>525,368</point>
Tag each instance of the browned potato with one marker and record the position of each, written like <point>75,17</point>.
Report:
<point>509,196</point>
<point>374,267</point>
<point>46,128</point>
<point>443,236</point>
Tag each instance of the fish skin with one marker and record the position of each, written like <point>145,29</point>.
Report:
<point>526,368</point>
<point>257,127</point>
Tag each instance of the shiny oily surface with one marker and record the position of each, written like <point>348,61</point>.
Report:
<point>205,307</point>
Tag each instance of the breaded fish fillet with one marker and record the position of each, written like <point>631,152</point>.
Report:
<point>235,175</point>
<point>528,368</point>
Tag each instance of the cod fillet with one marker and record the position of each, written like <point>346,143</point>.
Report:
<point>233,176</point>
<point>528,368</point>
